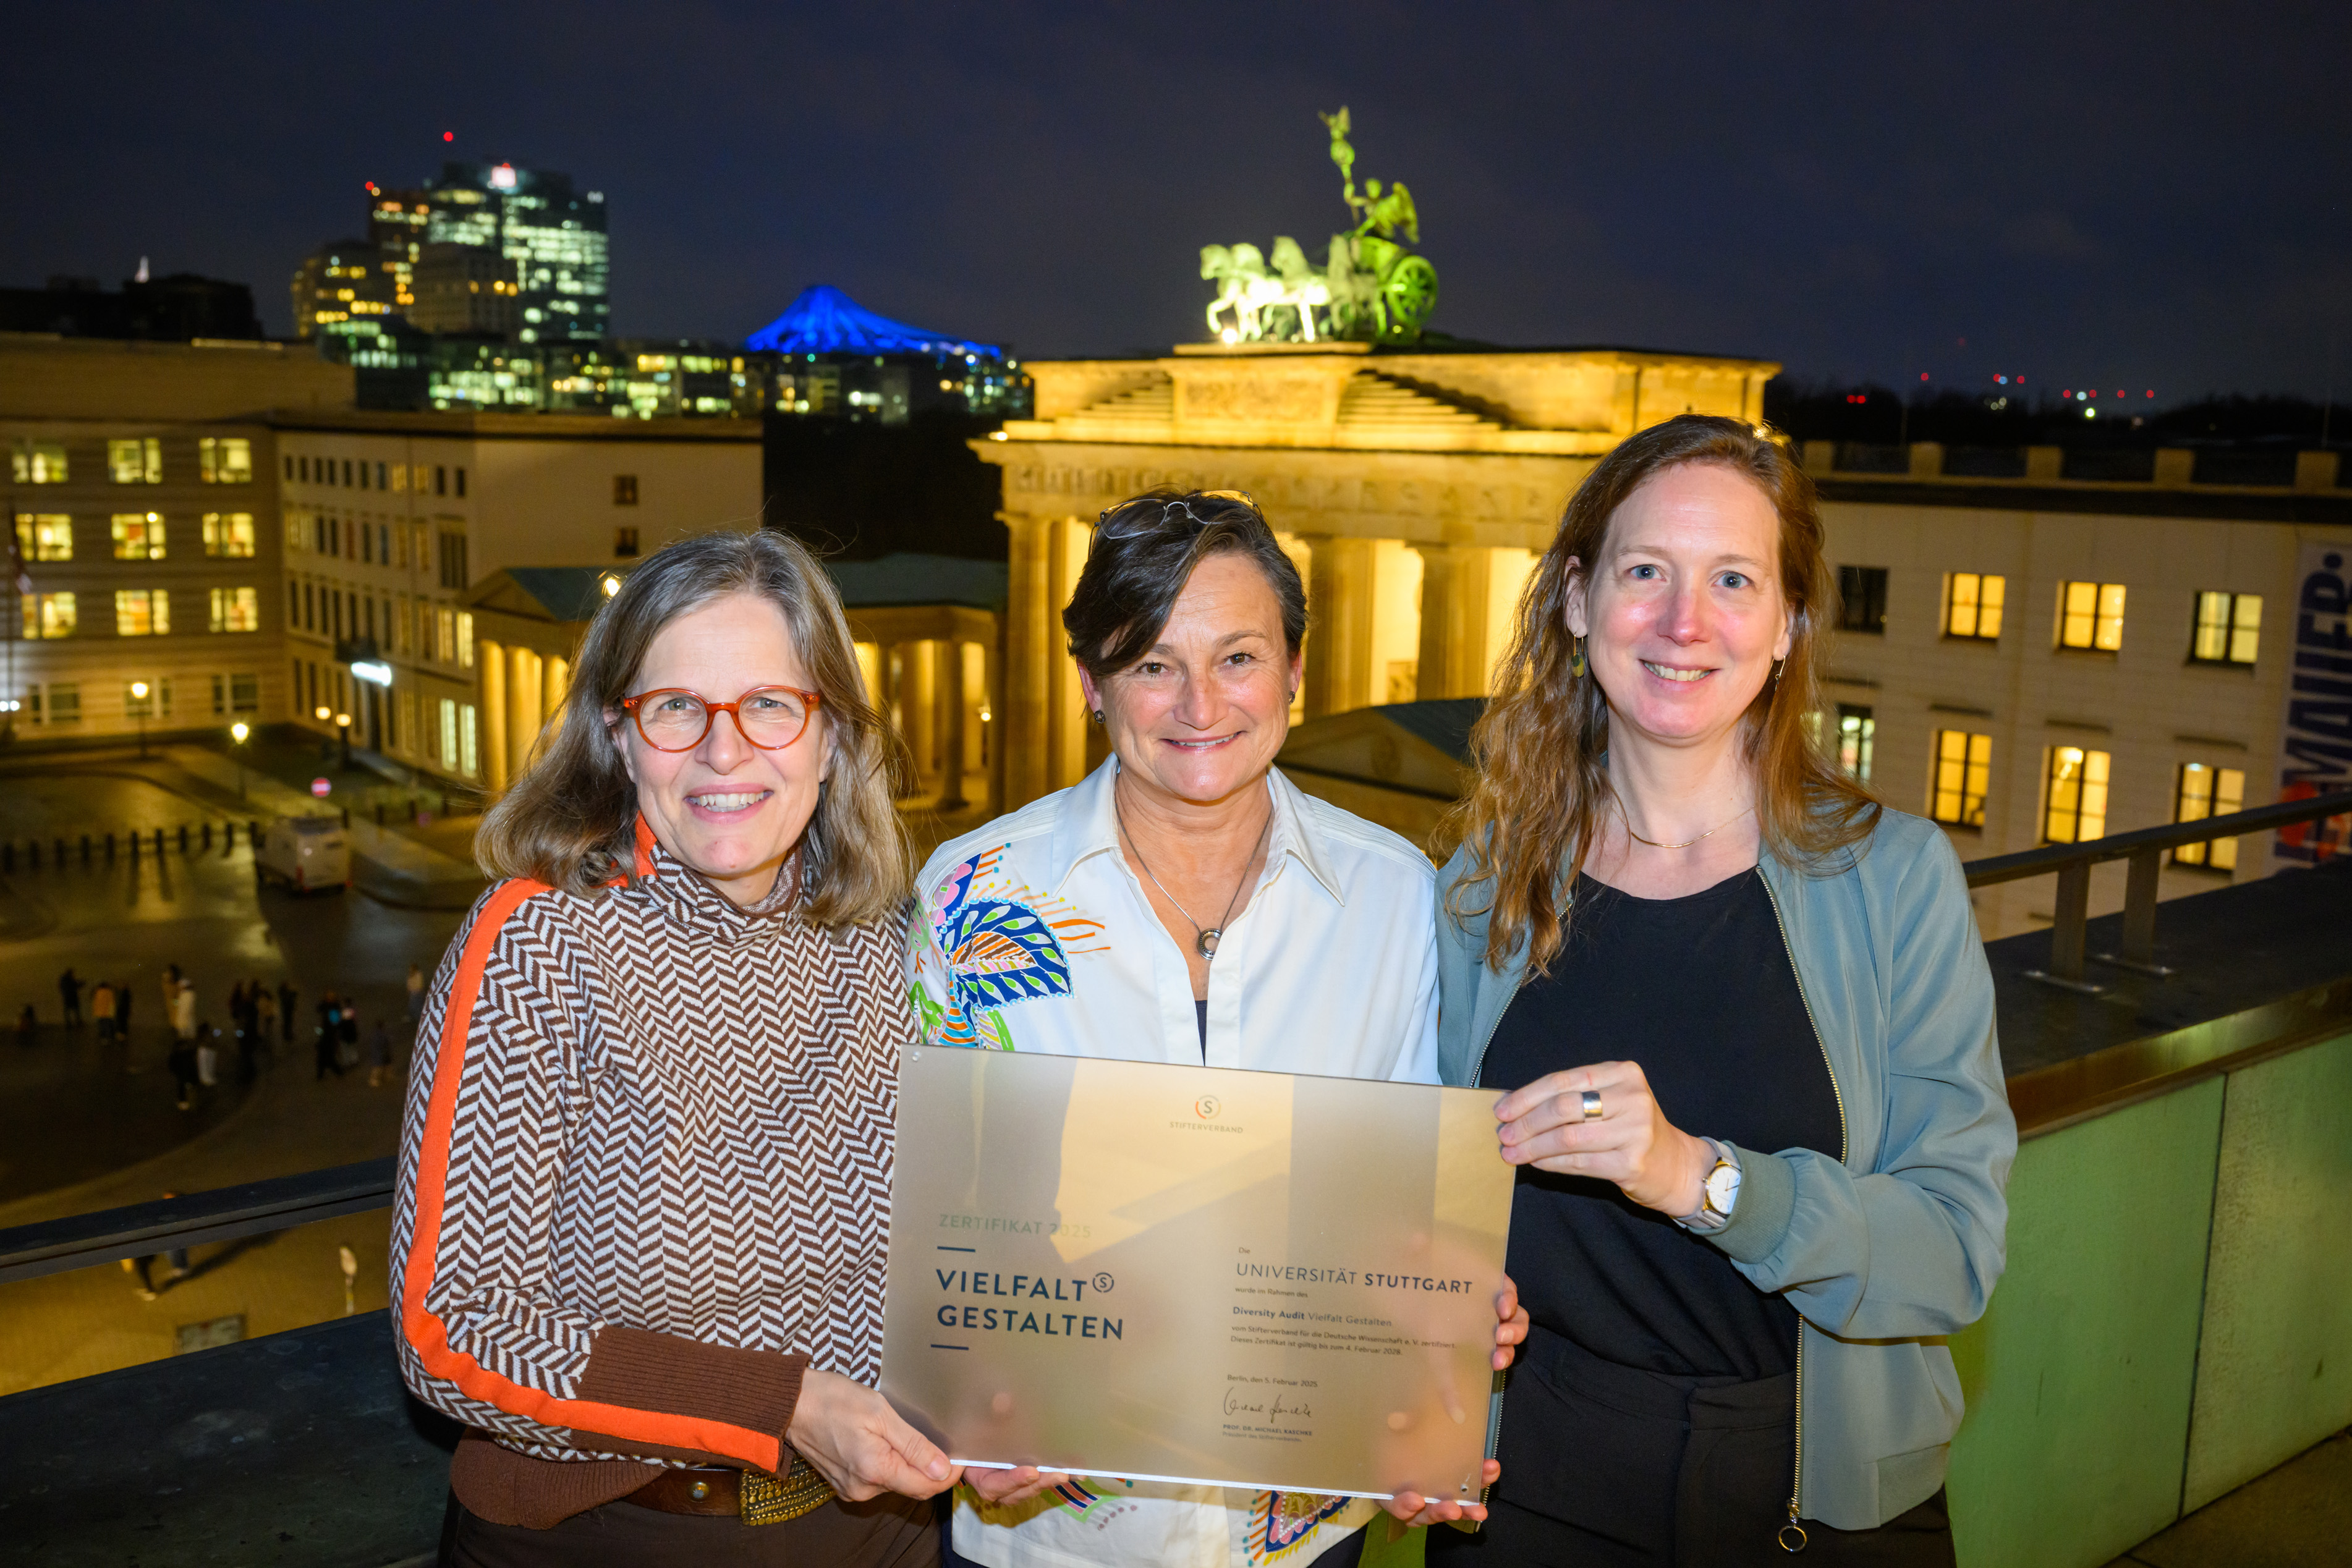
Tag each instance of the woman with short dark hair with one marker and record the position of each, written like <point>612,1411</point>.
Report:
<point>1745,1025</point>
<point>646,1169</point>
<point>1184,904</point>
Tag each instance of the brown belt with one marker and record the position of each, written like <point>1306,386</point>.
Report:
<point>753,1495</point>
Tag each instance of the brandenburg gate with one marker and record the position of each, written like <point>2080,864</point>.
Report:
<point>1414,487</point>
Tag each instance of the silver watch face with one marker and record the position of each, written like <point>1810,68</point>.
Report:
<point>1722,1186</point>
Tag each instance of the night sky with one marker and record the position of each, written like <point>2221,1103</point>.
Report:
<point>2133,196</point>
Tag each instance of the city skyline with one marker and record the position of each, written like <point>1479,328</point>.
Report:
<point>2089,197</point>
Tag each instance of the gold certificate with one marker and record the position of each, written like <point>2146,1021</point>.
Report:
<point>1181,1273</point>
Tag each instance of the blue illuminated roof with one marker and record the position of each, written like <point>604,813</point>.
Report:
<point>825,321</point>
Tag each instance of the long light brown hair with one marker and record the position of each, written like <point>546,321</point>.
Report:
<point>1539,749</point>
<point>569,821</point>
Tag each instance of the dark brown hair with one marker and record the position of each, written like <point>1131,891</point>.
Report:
<point>570,820</point>
<point>1542,784</point>
<point>1146,550</point>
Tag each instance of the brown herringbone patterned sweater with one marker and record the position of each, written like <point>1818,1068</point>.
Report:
<point>644,1181</point>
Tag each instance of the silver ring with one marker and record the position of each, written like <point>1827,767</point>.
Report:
<point>1592,1111</point>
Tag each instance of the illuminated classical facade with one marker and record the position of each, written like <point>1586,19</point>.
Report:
<point>1415,488</point>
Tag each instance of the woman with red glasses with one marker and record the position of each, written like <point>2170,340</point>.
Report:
<point>645,1171</point>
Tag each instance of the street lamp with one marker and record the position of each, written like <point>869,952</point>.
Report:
<point>344,723</point>
<point>138,697</point>
<point>237,732</point>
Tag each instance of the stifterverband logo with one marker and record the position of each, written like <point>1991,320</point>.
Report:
<point>1206,1107</point>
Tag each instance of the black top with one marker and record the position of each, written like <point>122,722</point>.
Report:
<point>1701,993</point>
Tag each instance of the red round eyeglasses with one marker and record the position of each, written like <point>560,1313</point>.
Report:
<point>675,719</point>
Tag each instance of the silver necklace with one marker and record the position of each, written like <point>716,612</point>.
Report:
<point>1205,937</point>
<point>1686,842</point>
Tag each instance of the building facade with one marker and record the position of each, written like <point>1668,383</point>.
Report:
<point>391,521</point>
<point>145,535</point>
<point>2034,658</point>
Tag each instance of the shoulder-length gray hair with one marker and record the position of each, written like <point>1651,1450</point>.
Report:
<point>570,820</point>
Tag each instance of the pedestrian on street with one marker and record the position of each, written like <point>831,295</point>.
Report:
<point>415,996</point>
<point>379,1053</point>
<point>331,1038</point>
<point>286,997</point>
<point>122,1011</point>
<point>141,1268</point>
<point>183,1011</point>
<point>170,988</point>
<point>27,1022</point>
<point>182,1065</point>
<point>101,1011</point>
<point>350,1026</point>
<point>265,1014</point>
<point>69,990</point>
<point>207,1055</point>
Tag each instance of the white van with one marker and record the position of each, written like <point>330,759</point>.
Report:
<point>308,854</point>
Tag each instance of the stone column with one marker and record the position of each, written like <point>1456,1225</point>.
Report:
<point>917,700</point>
<point>1042,724</point>
<point>523,709</point>
<point>1456,583</point>
<point>1339,606</point>
<point>489,659</point>
<point>946,682</point>
<point>893,706</point>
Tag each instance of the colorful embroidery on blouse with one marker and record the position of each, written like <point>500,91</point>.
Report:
<point>1283,1521</point>
<point>1000,942</point>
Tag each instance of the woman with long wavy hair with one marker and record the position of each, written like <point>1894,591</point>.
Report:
<point>1745,1025</point>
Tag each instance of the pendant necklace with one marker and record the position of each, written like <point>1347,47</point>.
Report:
<point>1204,938</point>
<point>1654,844</point>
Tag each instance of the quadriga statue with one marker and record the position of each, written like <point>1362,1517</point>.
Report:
<point>1370,288</point>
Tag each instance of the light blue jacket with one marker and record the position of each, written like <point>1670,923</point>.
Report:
<point>1899,1244</point>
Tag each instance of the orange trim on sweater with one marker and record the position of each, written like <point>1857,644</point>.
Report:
<point>429,1337</point>
<point>645,846</point>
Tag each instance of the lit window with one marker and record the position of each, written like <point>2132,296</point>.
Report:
<point>2229,627</point>
<point>136,461</point>
<point>38,462</point>
<point>2208,792</point>
<point>445,642</point>
<point>1857,738</point>
<point>448,732</point>
<point>465,644</point>
<point>468,740</point>
<point>142,612</point>
<point>2091,615</point>
<point>138,536</point>
<point>47,615</point>
<point>237,610</point>
<point>1862,597</point>
<point>45,536</point>
<point>1972,603</point>
<point>2077,810</point>
<point>225,460</point>
<point>1963,777</point>
<point>228,533</point>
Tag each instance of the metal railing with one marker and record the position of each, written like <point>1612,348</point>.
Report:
<point>2144,850</point>
<point>85,1240</point>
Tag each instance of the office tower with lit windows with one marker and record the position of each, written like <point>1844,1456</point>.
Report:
<point>343,296</point>
<point>553,234</point>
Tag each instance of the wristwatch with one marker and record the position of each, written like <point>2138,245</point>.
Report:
<point>1719,1192</point>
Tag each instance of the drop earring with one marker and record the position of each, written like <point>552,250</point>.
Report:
<point>1576,659</point>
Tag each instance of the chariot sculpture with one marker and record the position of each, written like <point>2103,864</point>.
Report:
<point>1370,289</point>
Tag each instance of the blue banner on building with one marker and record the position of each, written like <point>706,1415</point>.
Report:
<point>2316,739</point>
